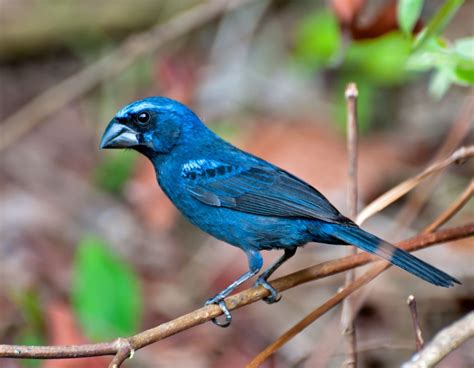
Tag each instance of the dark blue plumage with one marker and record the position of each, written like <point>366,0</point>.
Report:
<point>239,198</point>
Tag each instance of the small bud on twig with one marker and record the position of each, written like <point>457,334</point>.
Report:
<point>416,324</point>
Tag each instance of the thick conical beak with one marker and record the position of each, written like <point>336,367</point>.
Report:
<point>117,135</point>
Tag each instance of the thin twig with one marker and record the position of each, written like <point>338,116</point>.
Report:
<point>411,301</point>
<point>238,300</point>
<point>318,312</point>
<point>403,188</point>
<point>459,130</point>
<point>124,351</point>
<point>347,314</point>
<point>445,341</point>
<point>453,209</point>
<point>373,272</point>
<point>351,95</point>
<point>135,46</point>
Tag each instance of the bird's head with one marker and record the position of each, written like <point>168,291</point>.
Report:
<point>154,125</point>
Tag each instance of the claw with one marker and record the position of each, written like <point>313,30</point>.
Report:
<point>274,297</point>
<point>225,311</point>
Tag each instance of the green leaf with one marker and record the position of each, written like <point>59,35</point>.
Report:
<point>105,292</point>
<point>440,83</point>
<point>408,12</point>
<point>465,47</point>
<point>318,38</point>
<point>464,75</point>
<point>382,59</point>
<point>434,53</point>
<point>30,305</point>
<point>114,170</point>
<point>437,24</point>
<point>452,64</point>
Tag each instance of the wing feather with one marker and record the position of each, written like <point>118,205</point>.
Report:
<point>261,190</point>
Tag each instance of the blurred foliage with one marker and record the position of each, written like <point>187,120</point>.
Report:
<point>51,24</point>
<point>452,62</point>
<point>113,172</point>
<point>33,333</point>
<point>387,60</point>
<point>438,22</point>
<point>124,88</point>
<point>380,60</point>
<point>117,166</point>
<point>318,39</point>
<point>371,63</point>
<point>105,292</point>
<point>408,12</point>
<point>226,129</point>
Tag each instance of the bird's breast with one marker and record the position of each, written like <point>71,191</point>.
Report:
<point>242,229</point>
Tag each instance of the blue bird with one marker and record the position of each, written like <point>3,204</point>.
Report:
<point>239,198</point>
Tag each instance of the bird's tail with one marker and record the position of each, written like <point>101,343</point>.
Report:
<point>368,242</point>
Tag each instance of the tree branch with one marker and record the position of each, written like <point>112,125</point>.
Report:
<point>238,300</point>
<point>445,341</point>
<point>341,295</point>
<point>453,208</point>
<point>457,133</point>
<point>332,302</point>
<point>135,46</point>
<point>347,314</point>
<point>404,187</point>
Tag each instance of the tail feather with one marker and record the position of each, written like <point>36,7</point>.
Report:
<point>398,257</point>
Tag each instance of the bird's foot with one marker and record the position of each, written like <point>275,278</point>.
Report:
<point>274,297</point>
<point>219,300</point>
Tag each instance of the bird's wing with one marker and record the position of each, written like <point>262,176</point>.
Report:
<point>260,190</point>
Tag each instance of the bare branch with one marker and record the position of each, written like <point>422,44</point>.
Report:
<point>403,188</point>
<point>58,351</point>
<point>124,351</point>
<point>318,312</point>
<point>347,314</point>
<point>238,300</point>
<point>351,95</point>
<point>454,208</point>
<point>135,46</point>
<point>445,341</point>
<point>411,301</point>
<point>459,130</point>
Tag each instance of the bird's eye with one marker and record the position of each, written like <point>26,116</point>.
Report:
<point>143,118</point>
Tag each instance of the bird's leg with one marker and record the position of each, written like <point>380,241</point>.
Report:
<point>255,264</point>
<point>262,279</point>
<point>219,298</point>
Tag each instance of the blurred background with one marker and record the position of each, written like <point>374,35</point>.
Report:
<point>91,249</point>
